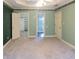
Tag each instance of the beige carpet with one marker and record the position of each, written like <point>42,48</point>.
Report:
<point>47,48</point>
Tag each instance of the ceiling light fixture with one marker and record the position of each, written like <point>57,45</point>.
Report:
<point>40,3</point>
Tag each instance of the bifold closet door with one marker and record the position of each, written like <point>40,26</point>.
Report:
<point>15,25</point>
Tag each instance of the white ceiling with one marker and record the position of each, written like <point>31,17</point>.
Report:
<point>36,4</point>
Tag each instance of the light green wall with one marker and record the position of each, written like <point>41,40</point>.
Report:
<point>32,23</point>
<point>49,23</point>
<point>68,23</point>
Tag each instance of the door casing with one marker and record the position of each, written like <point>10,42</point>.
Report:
<point>41,13</point>
<point>15,25</point>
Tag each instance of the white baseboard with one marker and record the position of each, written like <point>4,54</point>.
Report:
<point>45,36</point>
<point>51,36</point>
<point>7,43</point>
<point>31,36</point>
<point>72,46</point>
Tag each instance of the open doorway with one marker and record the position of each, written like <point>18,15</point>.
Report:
<point>40,26</point>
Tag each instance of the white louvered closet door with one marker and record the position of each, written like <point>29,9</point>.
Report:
<point>58,24</point>
<point>15,25</point>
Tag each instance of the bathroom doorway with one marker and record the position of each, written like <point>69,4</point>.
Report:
<point>40,26</point>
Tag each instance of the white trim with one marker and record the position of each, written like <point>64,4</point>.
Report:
<point>53,8</point>
<point>70,45</point>
<point>37,14</point>
<point>15,25</point>
<point>36,22</point>
<point>58,26</point>
<point>31,36</point>
<point>44,23</point>
<point>28,23</point>
<point>7,43</point>
<point>51,36</point>
<point>8,4</point>
<point>45,36</point>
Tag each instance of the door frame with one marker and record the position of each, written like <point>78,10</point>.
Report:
<point>37,14</point>
<point>15,34</point>
<point>58,36</point>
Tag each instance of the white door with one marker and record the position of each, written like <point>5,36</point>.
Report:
<point>15,25</point>
<point>58,24</point>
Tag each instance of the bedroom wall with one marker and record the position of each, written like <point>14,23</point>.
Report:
<point>49,23</point>
<point>7,23</point>
<point>68,23</point>
<point>32,23</point>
